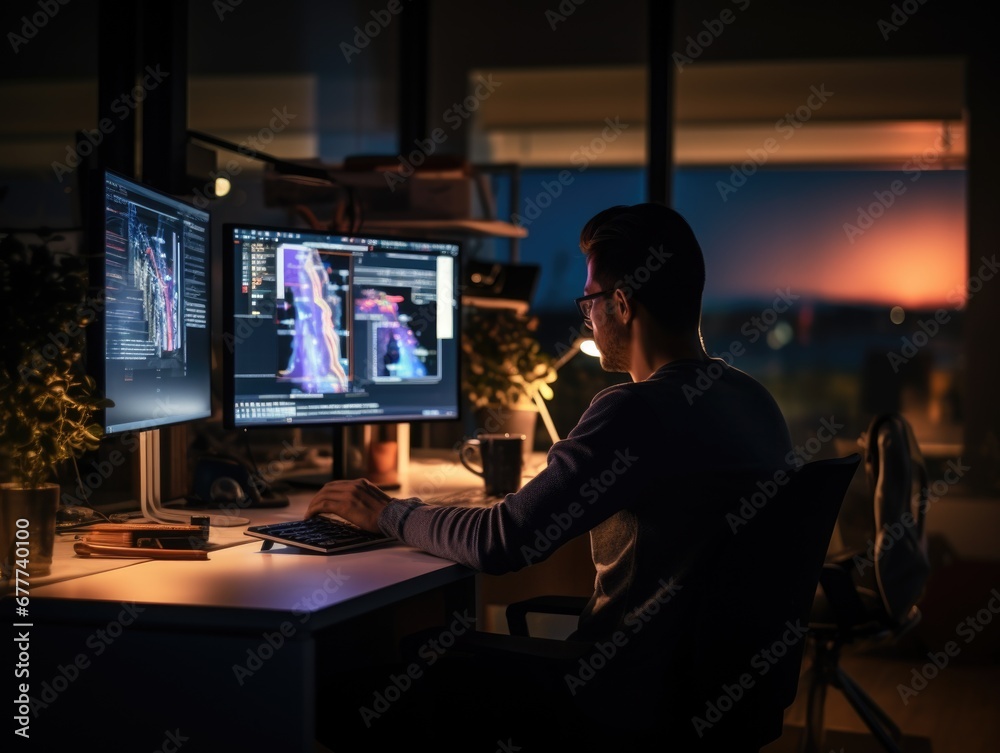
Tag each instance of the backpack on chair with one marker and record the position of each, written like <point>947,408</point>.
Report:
<point>897,479</point>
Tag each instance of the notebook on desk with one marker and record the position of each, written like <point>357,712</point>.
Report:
<point>144,540</point>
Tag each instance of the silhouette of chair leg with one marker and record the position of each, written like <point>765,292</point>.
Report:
<point>826,672</point>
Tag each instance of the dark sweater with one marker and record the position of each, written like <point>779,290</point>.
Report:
<point>622,473</point>
<point>637,472</point>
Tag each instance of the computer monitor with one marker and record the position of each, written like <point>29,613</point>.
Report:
<point>329,329</point>
<point>149,346</point>
<point>151,351</point>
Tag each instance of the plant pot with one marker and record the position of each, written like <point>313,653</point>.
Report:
<point>27,528</point>
<point>499,419</point>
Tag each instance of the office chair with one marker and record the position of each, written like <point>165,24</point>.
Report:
<point>871,596</point>
<point>745,596</point>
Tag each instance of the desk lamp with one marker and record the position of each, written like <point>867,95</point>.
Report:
<point>581,344</point>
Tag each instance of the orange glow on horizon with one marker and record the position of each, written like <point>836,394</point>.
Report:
<point>926,280</point>
<point>908,264</point>
<point>879,239</point>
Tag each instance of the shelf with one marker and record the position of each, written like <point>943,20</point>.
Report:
<point>495,228</point>
<point>446,192</point>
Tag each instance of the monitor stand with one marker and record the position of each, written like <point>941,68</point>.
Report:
<point>379,453</point>
<point>149,488</point>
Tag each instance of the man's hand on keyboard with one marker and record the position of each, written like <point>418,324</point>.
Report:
<point>356,500</point>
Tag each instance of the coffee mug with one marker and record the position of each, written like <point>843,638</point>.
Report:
<point>501,459</point>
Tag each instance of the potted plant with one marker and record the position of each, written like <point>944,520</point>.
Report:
<point>505,373</point>
<point>47,402</point>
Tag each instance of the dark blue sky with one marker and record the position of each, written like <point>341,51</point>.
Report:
<point>782,228</point>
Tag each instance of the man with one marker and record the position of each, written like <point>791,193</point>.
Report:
<point>639,472</point>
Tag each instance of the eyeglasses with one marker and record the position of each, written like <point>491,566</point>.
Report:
<point>586,303</point>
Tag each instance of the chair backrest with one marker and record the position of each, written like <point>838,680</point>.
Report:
<point>752,597</point>
<point>800,527</point>
<point>897,478</point>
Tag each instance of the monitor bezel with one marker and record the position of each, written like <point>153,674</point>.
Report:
<point>228,309</point>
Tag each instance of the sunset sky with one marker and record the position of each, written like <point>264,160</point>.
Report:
<point>779,229</point>
<point>817,233</point>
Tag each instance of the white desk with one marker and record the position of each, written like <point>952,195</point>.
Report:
<point>223,652</point>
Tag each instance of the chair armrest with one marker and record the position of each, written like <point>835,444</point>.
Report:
<point>513,648</point>
<point>517,612</point>
<point>512,652</point>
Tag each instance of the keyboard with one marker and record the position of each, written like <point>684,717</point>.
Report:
<point>317,534</point>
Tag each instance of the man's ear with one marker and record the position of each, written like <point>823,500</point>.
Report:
<point>625,306</point>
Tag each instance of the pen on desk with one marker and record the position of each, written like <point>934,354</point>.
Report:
<point>85,549</point>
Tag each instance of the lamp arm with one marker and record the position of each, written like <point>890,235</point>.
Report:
<point>546,418</point>
<point>283,166</point>
<point>539,402</point>
<point>566,357</point>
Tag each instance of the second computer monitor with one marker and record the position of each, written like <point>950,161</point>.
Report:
<point>324,328</point>
<point>150,345</point>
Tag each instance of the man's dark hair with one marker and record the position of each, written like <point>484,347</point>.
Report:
<point>649,251</point>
